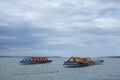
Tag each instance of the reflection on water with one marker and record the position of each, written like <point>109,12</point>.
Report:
<point>10,69</point>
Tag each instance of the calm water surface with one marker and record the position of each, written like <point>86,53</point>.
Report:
<point>10,69</point>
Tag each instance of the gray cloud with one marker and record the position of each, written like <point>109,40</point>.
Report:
<point>55,27</point>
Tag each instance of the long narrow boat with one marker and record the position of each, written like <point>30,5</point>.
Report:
<point>79,62</point>
<point>35,60</point>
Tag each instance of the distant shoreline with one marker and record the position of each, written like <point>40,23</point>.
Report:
<point>52,56</point>
<point>112,56</point>
<point>32,56</point>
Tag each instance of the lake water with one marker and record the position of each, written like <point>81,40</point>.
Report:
<point>10,69</point>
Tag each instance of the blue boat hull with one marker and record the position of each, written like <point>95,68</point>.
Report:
<point>74,64</point>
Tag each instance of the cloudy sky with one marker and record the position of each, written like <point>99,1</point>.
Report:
<point>60,27</point>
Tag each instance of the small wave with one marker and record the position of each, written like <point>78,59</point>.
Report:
<point>32,73</point>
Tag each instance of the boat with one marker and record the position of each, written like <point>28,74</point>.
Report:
<point>98,61</point>
<point>79,62</point>
<point>35,60</point>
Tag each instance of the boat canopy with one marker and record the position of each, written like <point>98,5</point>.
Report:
<point>78,59</point>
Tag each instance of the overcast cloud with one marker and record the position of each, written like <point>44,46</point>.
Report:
<point>60,27</point>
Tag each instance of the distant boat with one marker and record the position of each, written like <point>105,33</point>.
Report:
<point>35,60</point>
<point>79,62</point>
<point>98,61</point>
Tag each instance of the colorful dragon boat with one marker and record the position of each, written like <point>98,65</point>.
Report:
<point>77,61</point>
<point>35,60</point>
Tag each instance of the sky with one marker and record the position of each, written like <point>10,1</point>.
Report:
<point>60,28</point>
